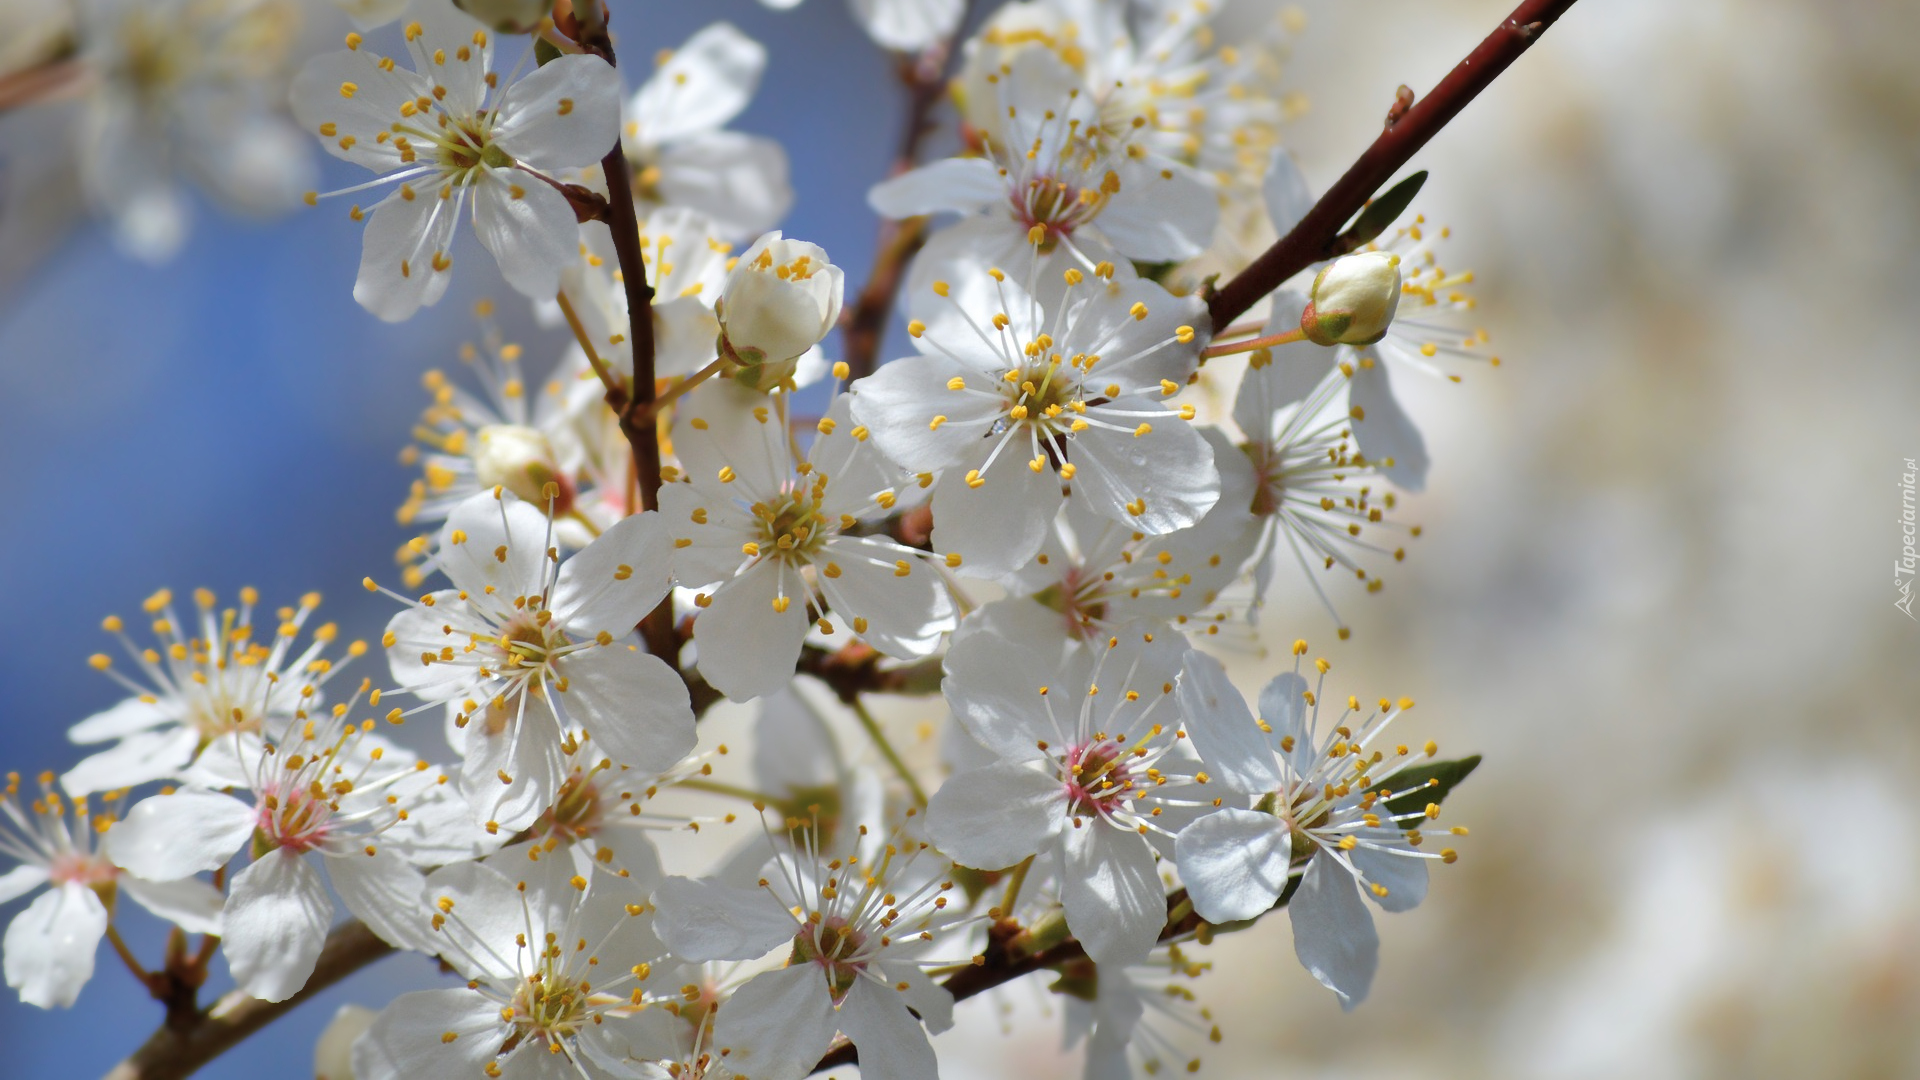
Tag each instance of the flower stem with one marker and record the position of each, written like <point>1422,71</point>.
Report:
<point>126,954</point>
<point>677,389</point>
<point>1251,344</point>
<point>607,378</point>
<point>872,728</point>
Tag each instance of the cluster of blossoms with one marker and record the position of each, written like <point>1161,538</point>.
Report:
<point>1044,517</point>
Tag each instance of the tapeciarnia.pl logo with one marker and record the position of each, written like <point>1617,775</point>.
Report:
<point>1903,567</point>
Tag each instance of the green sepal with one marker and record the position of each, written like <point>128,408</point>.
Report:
<point>545,51</point>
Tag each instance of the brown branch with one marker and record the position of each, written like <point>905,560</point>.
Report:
<point>1408,129</point>
<point>634,407</point>
<point>865,323</point>
<point>171,1053</point>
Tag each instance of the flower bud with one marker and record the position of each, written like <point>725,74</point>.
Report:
<point>780,300</point>
<point>507,16</point>
<point>1353,300</point>
<point>521,460</point>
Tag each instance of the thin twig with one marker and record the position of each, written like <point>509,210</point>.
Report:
<point>865,323</point>
<point>1310,240</point>
<point>171,1054</point>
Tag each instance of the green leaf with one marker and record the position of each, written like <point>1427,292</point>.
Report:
<point>1379,214</point>
<point>1423,784</point>
<point>544,51</point>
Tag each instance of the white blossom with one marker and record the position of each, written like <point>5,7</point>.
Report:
<point>779,535</point>
<point>556,978</point>
<point>681,152</point>
<point>1321,812</point>
<point>525,647</point>
<point>1090,764</point>
<point>184,89</point>
<point>50,945</point>
<point>859,927</point>
<point>1017,406</point>
<point>325,794</point>
<point>1054,191</point>
<point>227,670</point>
<point>448,132</point>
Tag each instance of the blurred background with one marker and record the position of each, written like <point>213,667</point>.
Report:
<point>1654,590</point>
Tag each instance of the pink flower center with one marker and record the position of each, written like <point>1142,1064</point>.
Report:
<point>1097,779</point>
<point>296,820</point>
<point>89,870</point>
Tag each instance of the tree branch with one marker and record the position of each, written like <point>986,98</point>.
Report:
<point>171,1053</point>
<point>1408,129</point>
<point>865,323</point>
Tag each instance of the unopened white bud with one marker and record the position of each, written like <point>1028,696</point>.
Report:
<point>333,1054</point>
<point>521,460</point>
<point>507,16</point>
<point>1354,298</point>
<point>780,300</point>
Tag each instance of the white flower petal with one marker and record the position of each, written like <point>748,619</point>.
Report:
<point>992,817</point>
<point>475,564</point>
<point>1115,903</point>
<point>168,837</point>
<point>564,114</point>
<point>613,583</point>
<point>703,84</point>
<point>519,740</point>
<point>724,426</point>
<point>1289,377</point>
<point>778,1025</point>
<point>1168,471</point>
<point>191,904</point>
<point>50,945</point>
<point>1386,433</point>
<point>747,649</point>
<point>1160,214</point>
<point>277,917</point>
<point>405,233</point>
<point>632,704</point>
<point>1403,875</point>
<point>999,525</point>
<point>1234,863</point>
<point>905,615</point>
<point>530,228</point>
<point>1333,932</point>
<point>934,1003</point>
<point>140,758</point>
<point>1283,705</point>
<point>318,101</point>
<point>420,632</point>
<point>995,671</point>
<point>408,1039</point>
<point>908,25</point>
<point>897,405</point>
<point>129,716</point>
<point>705,920</point>
<point>387,894</point>
<point>1222,727</point>
<point>738,180</point>
<point>891,1041</point>
<point>1285,192</point>
<point>21,880</point>
<point>957,185</point>
<point>713,551</point>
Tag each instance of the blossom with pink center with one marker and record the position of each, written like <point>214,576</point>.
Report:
<point>330,795</point>
<point>858,930</point>
<point>1092,771</point>
<point>50,946</point>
